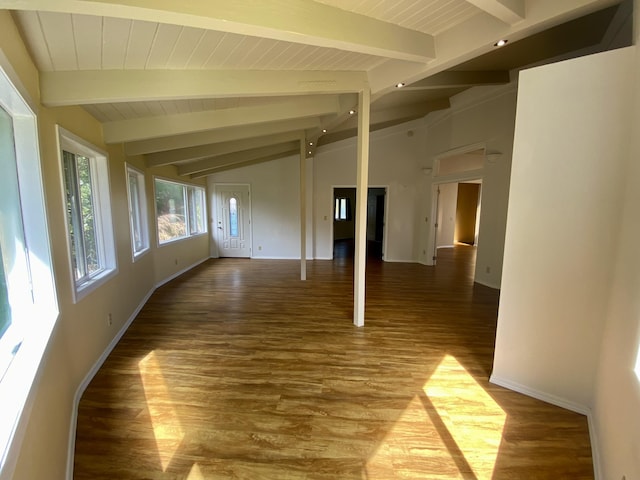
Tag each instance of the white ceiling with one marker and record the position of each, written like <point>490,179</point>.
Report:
<point>216,84</point>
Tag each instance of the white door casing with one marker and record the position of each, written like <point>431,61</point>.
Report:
<point>233,220</point>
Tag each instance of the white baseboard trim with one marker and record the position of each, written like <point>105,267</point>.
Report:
<point>394,260</point>
<point>595,447</point>
<point>563,403</point>
<point>487,284</point>
<point>89,376</point>
<point>545,397</point>
<point>184,270</point>
<point>96,366</point>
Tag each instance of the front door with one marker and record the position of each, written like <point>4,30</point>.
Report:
<point>233,222</point>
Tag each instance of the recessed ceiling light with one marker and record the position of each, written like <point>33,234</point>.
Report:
<point>351,112</point>
<point>324,130</point>
<point>309,152</point>
<point>311,143</point>
<point>500,43</point>
<point>400,85</point>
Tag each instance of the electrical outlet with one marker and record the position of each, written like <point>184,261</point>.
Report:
<point>109,319</point>
<point>259,247</point>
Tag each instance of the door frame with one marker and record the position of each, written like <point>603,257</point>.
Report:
<point>461,177</point>
<point>215,253</point>
<point>384,220</point>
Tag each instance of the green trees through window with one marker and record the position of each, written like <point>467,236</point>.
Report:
<point>180,210</point>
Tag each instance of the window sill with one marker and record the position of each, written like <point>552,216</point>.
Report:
<point>181,239</point>
<point>89,286</point>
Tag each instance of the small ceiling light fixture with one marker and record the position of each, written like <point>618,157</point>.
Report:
<point>400,85</point>
<point>351,112</point>
<point>501,43</point>
<point>309,152</point>
<point>311,144</point>
<point>324,130</point>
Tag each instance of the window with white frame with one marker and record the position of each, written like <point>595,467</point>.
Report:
<point>28,305</point>
<point>180,210</point>
<point>342,210</point>
<point>137,212</point>
<point>85,173</point>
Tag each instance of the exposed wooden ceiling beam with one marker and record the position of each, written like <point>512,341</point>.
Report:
<point>297,21</point>
<point>508,11</point>
<point>159,126</point>
<point>210,150</point>
<point>476,36</point>
<point>236,157</point>
<point>268,158</point>
<point>457,79</point>
<point>227,134</point>
<point>385,118</point>
<point>114,86</point>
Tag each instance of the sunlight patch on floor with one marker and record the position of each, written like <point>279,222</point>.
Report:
<point>195,473</point>
<point>411,448</point>
<point>473,419</point>
<point>167,429</point>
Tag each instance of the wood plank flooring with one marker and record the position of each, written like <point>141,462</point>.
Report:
<point>238,370</point>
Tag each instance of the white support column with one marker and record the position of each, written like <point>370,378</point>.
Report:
<point>303,208</point>
<point>362,186</point>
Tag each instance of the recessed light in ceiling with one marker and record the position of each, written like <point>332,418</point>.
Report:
<point>400,85</point>
<point>310,143</point>
<point>324,130</point>
<point>501,43</point>
<point>351,112</point>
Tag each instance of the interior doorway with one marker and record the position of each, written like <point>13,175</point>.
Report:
<point>458,213</point>
<point>344,222</point>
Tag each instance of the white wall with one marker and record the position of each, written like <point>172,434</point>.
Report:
<point>275,205</point>
<point>616,409</point>
<point>568,167</point>
<point>479,117</point>
<point>394,159</point>
<point>447,204</point>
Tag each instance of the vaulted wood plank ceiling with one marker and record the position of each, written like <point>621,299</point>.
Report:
<point>207,85</point>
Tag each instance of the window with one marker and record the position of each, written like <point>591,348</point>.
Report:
<point>28,306</point>
<point>137,212</point>
<point>342,209</point>
<point>233,217</point>
<point>195,197</point>
<point>180,210</point>
<point>87,203</point>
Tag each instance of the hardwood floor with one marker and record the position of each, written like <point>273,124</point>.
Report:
<point>238,370</point>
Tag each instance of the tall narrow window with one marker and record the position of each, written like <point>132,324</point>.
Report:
<point>233,217</point>
<point>87,202</point>
<point>195,198</point>
<point>81,216</point>
<point>15,281</point>
<point>137,212</point>
<point>342,209</point>
<point>28,305</point>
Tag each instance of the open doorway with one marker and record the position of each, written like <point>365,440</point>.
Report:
<point>456,173</point>
<point>458,213</point>
<point>344,222</point>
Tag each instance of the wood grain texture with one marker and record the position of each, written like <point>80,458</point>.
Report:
<point>238,370</point>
